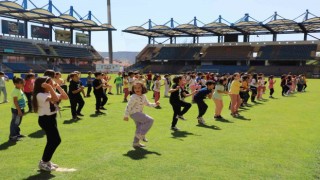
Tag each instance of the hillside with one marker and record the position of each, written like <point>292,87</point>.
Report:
<point>122,55</point>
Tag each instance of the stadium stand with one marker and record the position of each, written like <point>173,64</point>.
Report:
<point>287,52</point>
<point>65,51</point>
<point>18,47</point>
<point>18,67</point>
<point>227,53</point>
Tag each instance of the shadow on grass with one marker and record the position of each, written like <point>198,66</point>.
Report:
<point>38,134</point>
<point>41,175</point>
<point>71,121</point>
<point>140,153</point>
<point>181,134</point>
<point>7,144</point>
<point>243,118</point>
<point>224,120</point>
<point>256,103</point>
<point>97,115</point>
<point>66,106</point>
<point>209,127</point>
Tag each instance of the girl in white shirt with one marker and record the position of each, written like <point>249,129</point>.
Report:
<point>134,109</point>
<point>45,104</point>
<point>156,88</point>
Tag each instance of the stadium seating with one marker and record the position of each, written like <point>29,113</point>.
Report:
<point>18,47</point>
<point>214,53</point>
<point>287,52</point>
<point>18,67</point>
<point>164,68</point>
<point>68,51</point>
<point>279,70</point>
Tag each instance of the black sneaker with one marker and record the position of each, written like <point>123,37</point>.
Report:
<point>21,136</point>
<point>14,138</point>
<point>175,129</point>
<point>75,118</point>
<point>79,114</point>
<point>99,112</point>
<point>102,108</point>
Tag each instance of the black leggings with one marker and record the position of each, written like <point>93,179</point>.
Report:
<point>89,89</point>
<point>101,100</point>
<point>29,98</point>
<point>176,106</point>
<point>271,91</point>
<point>49,125</point>
<point>254,93</point>
<point>74,102</point>
<point>202,107</point>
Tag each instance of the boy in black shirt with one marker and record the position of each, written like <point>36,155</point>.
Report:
<point>101,97</point>
<point>75,88</point>
<point>200,96</point>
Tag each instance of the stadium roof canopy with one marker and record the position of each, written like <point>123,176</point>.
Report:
<point>13,10</point>
<point>244,26</point>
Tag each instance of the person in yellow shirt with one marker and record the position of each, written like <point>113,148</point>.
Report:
<point>234,95</point>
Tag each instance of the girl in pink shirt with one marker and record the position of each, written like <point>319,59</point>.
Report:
<point>271,83</point>
<point>28,89</point>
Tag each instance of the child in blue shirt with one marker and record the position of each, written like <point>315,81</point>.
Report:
<point>200,96</point>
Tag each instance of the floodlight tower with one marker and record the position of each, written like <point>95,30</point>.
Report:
<point>109,33</point>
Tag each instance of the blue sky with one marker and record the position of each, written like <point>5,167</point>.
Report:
<point>126,13</point>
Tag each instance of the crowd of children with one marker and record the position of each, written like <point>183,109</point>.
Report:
<point>43,94</point>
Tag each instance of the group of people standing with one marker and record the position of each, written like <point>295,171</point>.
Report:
<point>240,87</point>
<point>43,95</point>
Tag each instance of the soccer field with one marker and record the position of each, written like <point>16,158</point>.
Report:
<point>277,139</point>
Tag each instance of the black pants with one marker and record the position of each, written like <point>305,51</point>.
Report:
<point>244,95</point>
<point>89,89</point>
<point>202,107</point>
<point>271,91</point>
<point>176,106</point>
<point>101,100</point>
<point>304,86</point>
<point>49,125</point>
<point>299,87</point>
<point>254,93</point>
<point>285,89</point>
<point>29,98</point>
<point>74,102</point>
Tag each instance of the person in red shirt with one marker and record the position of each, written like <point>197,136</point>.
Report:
<point>149,80</point>
<point>28,89</point>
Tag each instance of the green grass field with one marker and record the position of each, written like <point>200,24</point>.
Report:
<point>277,139</point>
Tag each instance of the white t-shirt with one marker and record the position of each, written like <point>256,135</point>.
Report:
<point>44,105</point>
<point>2,81</point>
<point>253,83</point>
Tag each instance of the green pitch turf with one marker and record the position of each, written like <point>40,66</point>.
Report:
<point>276,139</point>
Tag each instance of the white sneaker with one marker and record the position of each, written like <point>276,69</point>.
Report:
<point>140,136</point>
<point>45,166</point>
<point>201,120</point>
<point>53,165</point>
<point>138,145</point>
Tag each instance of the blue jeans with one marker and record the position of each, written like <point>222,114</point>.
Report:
<point>4,91</point>
<point>15,123</point>
<point>119,88</point>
